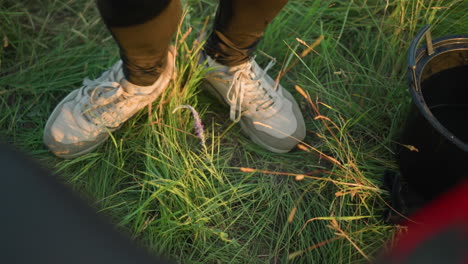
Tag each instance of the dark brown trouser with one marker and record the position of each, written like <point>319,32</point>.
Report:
<point>143,30</point>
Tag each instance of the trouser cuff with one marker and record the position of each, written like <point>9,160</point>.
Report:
<point>223,51</point>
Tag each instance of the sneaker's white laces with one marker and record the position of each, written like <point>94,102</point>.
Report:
<point>247,87</point>
<point>103,93</point>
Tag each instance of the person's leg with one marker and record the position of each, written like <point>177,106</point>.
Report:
<point>238,26</point>
<point>143,29</point>
<point>266,111</point>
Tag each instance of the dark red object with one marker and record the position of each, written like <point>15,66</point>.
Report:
<point>438,233</point>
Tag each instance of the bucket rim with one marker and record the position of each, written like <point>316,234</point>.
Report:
<point>414,52</point>
<point>414,57</point>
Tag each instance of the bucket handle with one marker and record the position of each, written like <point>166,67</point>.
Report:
<point>424,32</point>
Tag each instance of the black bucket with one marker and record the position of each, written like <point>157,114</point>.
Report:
<point>437,126</point>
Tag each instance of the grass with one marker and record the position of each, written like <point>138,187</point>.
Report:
<point>232,202</point>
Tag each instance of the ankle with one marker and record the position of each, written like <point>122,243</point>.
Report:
<point>225,52</point>
<point>132,88</point>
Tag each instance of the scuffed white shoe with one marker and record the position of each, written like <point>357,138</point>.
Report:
<point>268,113</point>
<point>85,118</point>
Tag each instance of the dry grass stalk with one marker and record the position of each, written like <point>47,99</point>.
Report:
<point>335,226</point>
<point>338,183</point>
<point>304,53</point>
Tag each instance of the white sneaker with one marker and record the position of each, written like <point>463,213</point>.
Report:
<point>85,118</point>
<point>268,113</point>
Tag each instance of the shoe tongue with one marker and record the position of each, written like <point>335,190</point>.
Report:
<point>223,68</point>
<point>247,66</point>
